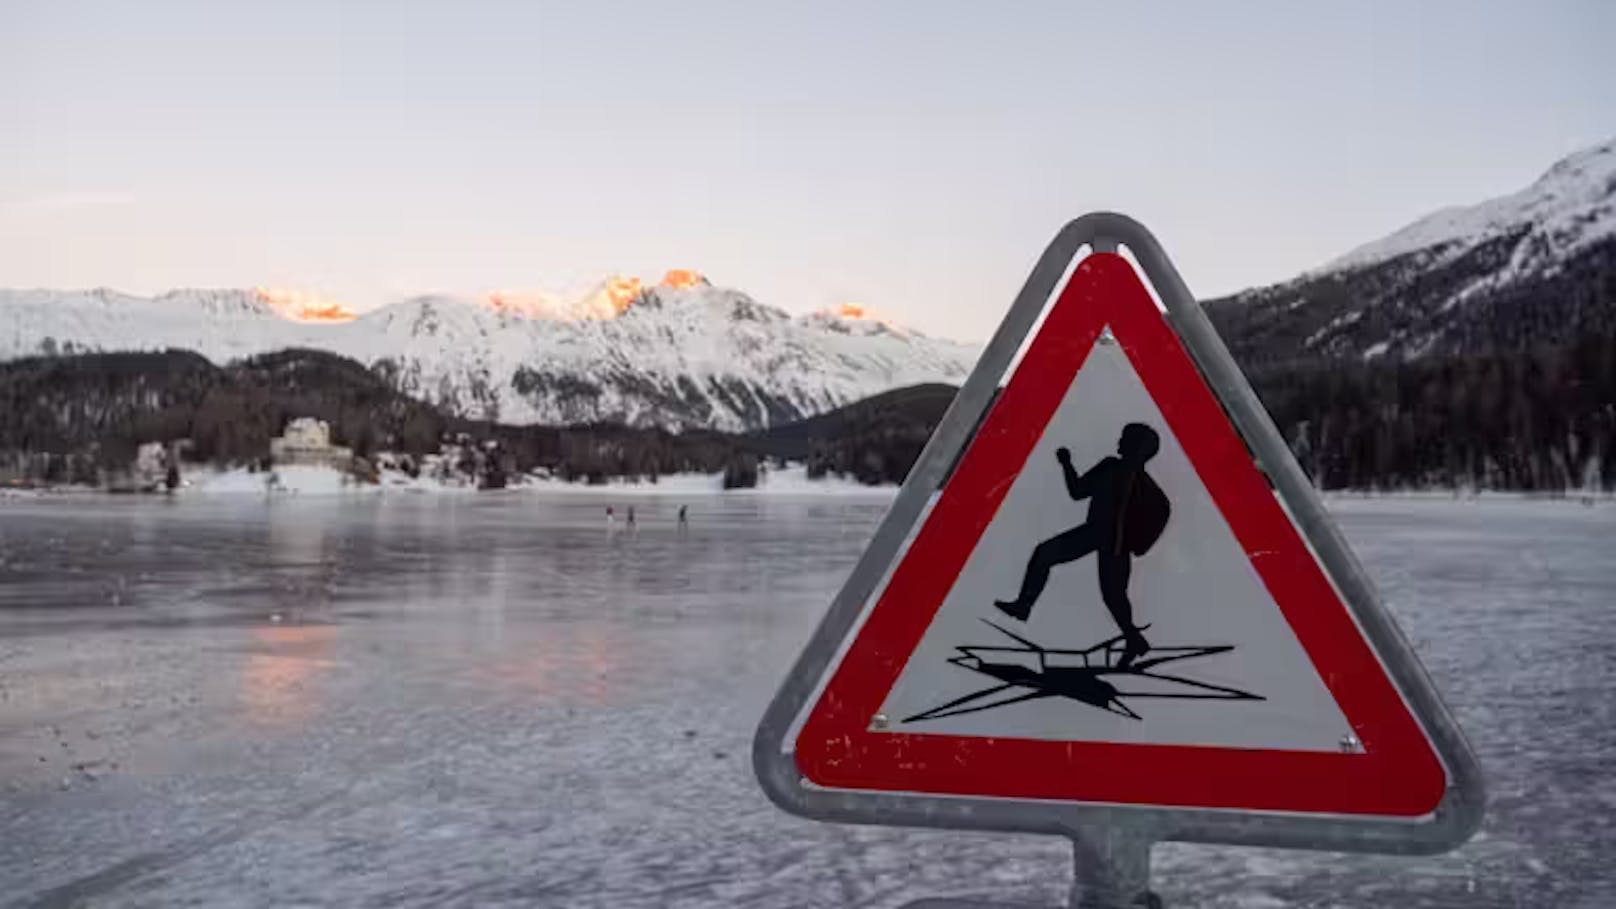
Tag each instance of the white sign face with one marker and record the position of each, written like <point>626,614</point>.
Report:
<point>1213,661</point>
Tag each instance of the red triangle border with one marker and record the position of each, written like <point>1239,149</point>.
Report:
<point>1396,774</point>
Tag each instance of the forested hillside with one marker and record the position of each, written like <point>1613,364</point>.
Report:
<point>1540,420</point>
<point>1537,420</point>
<point>76,418</point>
<point>874,441</point>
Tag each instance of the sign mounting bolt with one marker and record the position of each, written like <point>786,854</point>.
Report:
<point>1351,745</point>
<point>879,721</point>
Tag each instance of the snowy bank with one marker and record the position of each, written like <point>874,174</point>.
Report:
<point>792,480</point>
<point>1575,496</point>
<point>302,480</point>
<point>289,480</point>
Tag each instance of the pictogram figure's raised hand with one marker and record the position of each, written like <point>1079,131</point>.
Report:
<point>1064,455</point>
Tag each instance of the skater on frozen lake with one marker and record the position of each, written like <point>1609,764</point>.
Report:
<point>1127,513</point>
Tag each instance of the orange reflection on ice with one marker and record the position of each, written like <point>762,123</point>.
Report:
<point>584,664</point>
<point>275,682</point>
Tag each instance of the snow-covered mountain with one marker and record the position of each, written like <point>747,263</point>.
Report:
<point>687,355</point>
<point>1536,267</point>
<point>1569,208</point>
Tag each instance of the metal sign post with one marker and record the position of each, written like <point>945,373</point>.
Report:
<point>1110,870</point>
<point>1257,693</point>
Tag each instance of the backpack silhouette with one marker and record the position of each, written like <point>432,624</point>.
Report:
<point>1145,510</point>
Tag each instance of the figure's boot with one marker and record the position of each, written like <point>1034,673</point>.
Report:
<point>1134,646</point>
<point>1015,609</point>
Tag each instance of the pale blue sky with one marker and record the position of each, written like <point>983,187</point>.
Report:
<point>912,157</point>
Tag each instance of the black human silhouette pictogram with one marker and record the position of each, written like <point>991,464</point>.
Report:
<point>1127,513</point>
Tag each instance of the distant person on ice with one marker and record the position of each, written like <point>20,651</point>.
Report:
<point>1127,513</point>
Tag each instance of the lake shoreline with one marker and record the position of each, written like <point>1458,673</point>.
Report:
<point>791,480</point>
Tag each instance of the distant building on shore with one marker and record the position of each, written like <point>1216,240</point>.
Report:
<point>308,441</point>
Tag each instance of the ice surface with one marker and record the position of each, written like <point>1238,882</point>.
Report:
<point>495,700</point>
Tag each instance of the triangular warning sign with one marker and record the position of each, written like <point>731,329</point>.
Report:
<point>1108,603</point>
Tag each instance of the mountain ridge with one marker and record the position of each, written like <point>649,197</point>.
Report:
<point>1528,270</point>
<point>695,356</point>
<point>1532,268</point>
<point>1570,205</point>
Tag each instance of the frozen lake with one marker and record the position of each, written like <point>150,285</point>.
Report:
<point>490,700</point>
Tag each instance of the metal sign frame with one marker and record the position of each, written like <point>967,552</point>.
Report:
<point>1112,840</point>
